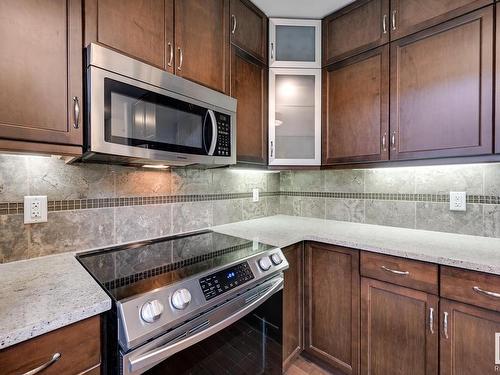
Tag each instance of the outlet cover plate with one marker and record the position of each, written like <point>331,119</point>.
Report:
<point>458,200</point>
<point>35,209</point>
<point>255,195</point>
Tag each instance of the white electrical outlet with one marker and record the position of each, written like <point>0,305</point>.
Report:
<point>458,200</point>
<point>35,209</point>
<point>255,196</point>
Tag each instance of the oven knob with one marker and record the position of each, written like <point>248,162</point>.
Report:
<point>276,259</point>
<point>151,311</point>
<point>264,263</point>
<point>181,299</point>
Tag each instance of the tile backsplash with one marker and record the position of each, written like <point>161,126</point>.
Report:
<point>93,205</point>
<point>410,197</point>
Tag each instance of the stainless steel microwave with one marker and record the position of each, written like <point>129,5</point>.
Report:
<point>138,114</point>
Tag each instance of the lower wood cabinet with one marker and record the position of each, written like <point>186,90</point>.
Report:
<point>79,347</point>
<point>332,306</point>
<point>467,343</point>
<point>399,330</point>
<point>293,304</point>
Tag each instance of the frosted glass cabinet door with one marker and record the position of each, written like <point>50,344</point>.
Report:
<point>294,116</point>
<point>294,43</point>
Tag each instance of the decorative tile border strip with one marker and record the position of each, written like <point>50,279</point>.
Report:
<point>436,198</point>
<point>131,279</point>
<point>13,208</point>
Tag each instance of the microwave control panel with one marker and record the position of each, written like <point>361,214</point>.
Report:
<point>225,280</point>
<point>223,147</point>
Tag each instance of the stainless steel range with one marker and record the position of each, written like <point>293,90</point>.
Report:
<point>203,303</point>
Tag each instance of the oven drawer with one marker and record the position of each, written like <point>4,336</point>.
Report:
<point>405,272</point>
<point>476,288</point>
<point>78,345</point>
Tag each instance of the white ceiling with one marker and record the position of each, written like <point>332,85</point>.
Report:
<point>300,8</point>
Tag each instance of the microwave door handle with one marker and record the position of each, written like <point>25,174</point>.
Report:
<point>157,355</point>
<point>211,114</point>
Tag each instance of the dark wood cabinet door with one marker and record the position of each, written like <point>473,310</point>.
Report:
<point>249,29</point>
<point>497,83</point>
<point>332,306</point>
<point>249,86</point>
<point>202,42</point>
<point>142,29</point>
<point>354,29</point>
<point>396,335</point>
<point>441,90</point>
<point>41,72</point>
<point>410,16</point>
<point>467,346</point>
<point>356,108</point>
<point>293,304</point>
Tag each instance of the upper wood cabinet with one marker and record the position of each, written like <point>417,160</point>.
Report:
<point>249,29</point>
<point>142,29</point>
<point>332,306</point>
<point>145,30</point>
<point>202,42</point>
<point>249,87</point>
<point>399,330</point>
<point>409,16</point>
<point>467,344</point>
<point>41,102</point>
<point>356,28</point>
<point>356,108</point>
<point>441,90</point>
<point>293,304</point>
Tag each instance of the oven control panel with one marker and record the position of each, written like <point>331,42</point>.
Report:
<point>227,279</point>
<point>223,147</point>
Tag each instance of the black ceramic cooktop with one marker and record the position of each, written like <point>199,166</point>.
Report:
<point>136,268</point>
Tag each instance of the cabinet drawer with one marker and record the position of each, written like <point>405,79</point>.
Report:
<point>475,288</point>
<point>400,271</point>
<point>79,347</point>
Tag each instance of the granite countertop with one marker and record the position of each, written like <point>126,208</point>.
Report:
<point>457,250</point>
<point>42,294</point>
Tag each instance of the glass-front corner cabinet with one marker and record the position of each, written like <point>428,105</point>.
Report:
<point>294,43</point>
<point>294,116</point>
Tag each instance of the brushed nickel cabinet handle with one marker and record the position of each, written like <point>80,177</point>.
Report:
<point>272,148</point>
<point>400,273</point>
<point>485,292</point>
<point>181,58</point>
<point>233,17</point>
<point>431,320</point>
<point>76,112</point>
<point>393,19</point>
<point>393,140</point>
<point>384,142</point>
<point>445,325</point>
<point>171,49</point>
<point>272,51</point>
<point>384,24</point>
<point>39,369</point>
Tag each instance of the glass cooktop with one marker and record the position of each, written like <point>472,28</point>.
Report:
<point>131,269</point>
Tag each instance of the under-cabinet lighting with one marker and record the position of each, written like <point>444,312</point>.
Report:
<point>155,166</point>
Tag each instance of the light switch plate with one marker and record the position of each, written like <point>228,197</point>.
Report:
<point>458,200</point>
<point>255,195</point>
<point>35,209</point>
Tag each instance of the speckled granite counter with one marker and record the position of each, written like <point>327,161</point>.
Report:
<point>469,252</point>
<point>43,294</point>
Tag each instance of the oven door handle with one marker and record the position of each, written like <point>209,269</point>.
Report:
<point>136,364</point>
<point>211,114</point>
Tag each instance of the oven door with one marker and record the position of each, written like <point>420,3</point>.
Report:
<point>131,118</point>
<point>242,336</point>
